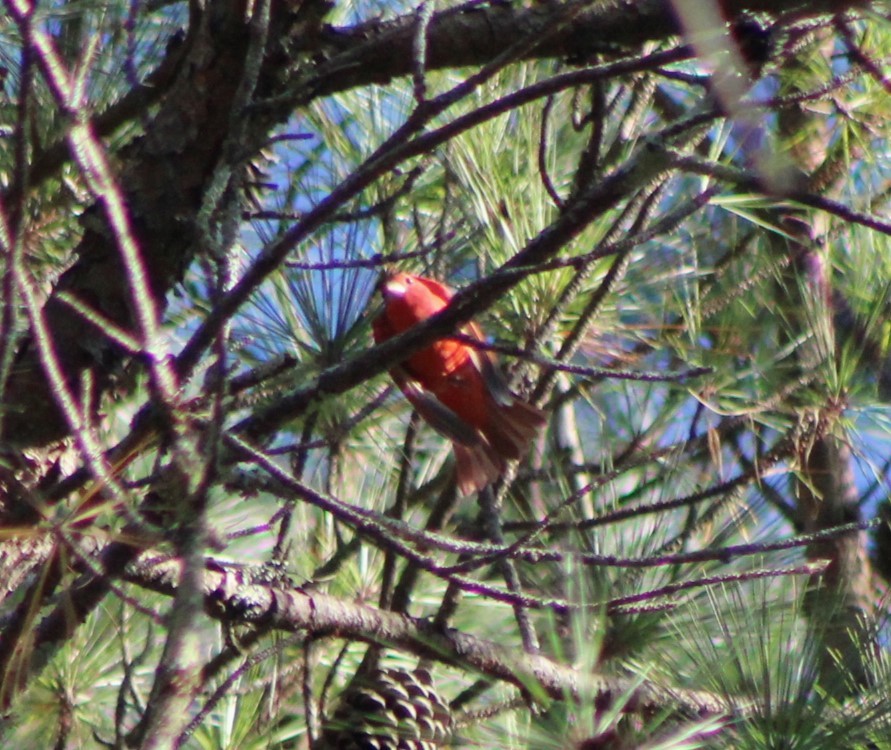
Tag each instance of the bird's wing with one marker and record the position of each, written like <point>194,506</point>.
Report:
<point>487,366</point>
<point>435,413</point>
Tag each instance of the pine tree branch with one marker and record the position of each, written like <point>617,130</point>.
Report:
<point>232,597</point>
<point>376,52</point>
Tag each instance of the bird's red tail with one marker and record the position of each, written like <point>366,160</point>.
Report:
<point>506,438</point>
<point>476,466</point>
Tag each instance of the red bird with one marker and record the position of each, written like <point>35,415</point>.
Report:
<point>455,387</point>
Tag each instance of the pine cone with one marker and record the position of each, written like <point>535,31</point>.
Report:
<point>390,710</point>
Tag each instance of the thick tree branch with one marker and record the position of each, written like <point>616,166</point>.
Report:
<point>232,597</point>
<point>376,52</point>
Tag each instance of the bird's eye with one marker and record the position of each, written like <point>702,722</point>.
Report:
<point>409,280</point>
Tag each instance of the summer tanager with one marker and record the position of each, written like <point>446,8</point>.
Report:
<point>456,387</point>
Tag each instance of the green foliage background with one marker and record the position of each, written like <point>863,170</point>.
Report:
<point>700,356</point>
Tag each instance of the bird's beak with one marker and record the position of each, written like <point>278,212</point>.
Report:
<point>392,287</point>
